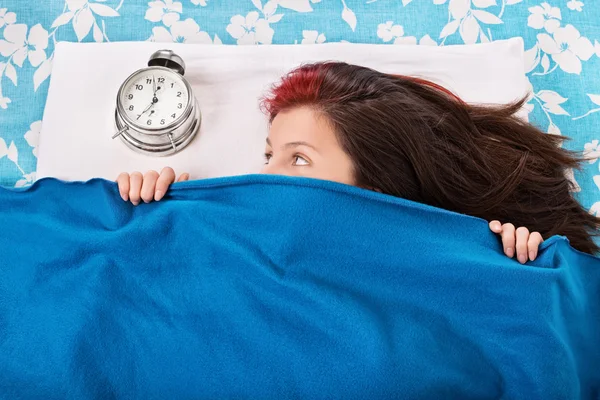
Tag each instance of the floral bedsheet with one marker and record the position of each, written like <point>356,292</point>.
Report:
<point>562,39</point>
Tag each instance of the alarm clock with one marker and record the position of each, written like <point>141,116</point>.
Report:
<point>157,113</point>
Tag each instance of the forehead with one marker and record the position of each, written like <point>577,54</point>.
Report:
<point>301,124</point>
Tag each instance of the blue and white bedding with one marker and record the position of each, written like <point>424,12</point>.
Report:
<point>393,310</point>
<point>562,39</point>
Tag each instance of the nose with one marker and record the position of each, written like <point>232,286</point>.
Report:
<point>267,169</point>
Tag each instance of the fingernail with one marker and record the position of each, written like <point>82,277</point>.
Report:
<point>135,203</point>
<point>532,255</point>
<point>158,195</point>
<point>522,258</point>
<point>124,196</point>
<point>510,252</point>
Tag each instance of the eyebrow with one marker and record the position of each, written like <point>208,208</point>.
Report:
<point>295,144</point>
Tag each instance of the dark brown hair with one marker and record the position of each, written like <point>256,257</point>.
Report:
<point>413,139</point>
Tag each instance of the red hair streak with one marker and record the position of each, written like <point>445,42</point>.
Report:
<point>299,87</point>
<point>302,87</point>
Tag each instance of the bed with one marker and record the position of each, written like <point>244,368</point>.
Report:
<point>135,325</point>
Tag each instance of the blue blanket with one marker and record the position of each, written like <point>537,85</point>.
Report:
<point>279,287</point>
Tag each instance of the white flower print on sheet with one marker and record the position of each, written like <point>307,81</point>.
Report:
<point>100,9</point>
<point>591,151</point>
<point>3,148</point>
<point>575,5</point>
<point>27,180</point>
<point>544,16</point>
<point>82,13</point>
<point>312,37</point>
<point>596,100</point>
<point>186,31</point>
<point>251,29</point>
<point>12,154</point>
<point>166,11</point>
<point>567,48</point>
<point>305,6</point>
<point>268,10</point>
<point>4,102</point>
<point>465,19</point>
<point>546,20</point>
<point>427,41</point>
<point>32,136</point>
<point>19,46</point>
<point>75,5</point>
<point>551,102</point>
<point>7,18</point>
<point>297,5</point>
<point>349,16</point>
<point>389,31</point>
<point>478,3</point>
<point>595,208</point>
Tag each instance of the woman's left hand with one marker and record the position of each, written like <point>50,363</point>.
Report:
<point>525,243</point>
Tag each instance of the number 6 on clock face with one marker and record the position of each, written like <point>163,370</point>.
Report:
<point>155,98</point>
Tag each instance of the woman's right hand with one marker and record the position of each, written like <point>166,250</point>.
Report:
<point>150,186</point>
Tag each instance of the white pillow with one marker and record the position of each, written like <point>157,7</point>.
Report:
<point>75,142</point>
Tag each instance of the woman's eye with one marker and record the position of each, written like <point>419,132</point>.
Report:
<point>298,160</point>
<point>268,157</point>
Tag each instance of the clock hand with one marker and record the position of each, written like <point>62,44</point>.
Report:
<point>147,108</point>
<point>154,99</point>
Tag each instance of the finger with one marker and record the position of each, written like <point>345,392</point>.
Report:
<point>184,177</point>
<point>495,226</point>
<point>149,185</point>
<point>167,176</point>
<point>123,183</point>
<point>508,239</point>
<point>135,187</point>
<point>535,239</point>
<point>522,235</point>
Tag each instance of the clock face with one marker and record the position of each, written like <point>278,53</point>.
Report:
<point>154,98</point>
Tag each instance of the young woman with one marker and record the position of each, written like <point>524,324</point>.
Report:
<point>413,139</point>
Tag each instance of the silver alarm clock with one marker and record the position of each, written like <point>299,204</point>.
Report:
<point>157,113</point>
